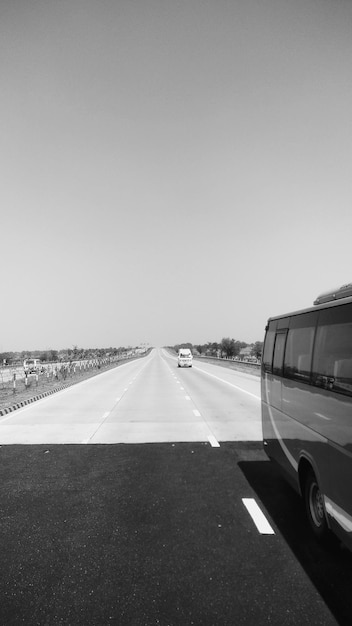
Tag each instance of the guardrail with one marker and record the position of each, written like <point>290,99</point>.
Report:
<point>253,368</point>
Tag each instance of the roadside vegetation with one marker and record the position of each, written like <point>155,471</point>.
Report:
<point>44,383</point>
<point>67,355</point>
<point>57,370</point>
<point>227,348</point>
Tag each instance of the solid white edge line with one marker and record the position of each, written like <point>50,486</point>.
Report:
<point>258,516</point>
<point>213,441</point>
<point>228,383</point>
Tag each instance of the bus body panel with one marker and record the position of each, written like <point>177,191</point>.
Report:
<point>288,439</point>
<point>308,423</point>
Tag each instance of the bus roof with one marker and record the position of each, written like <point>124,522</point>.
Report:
<point>332,298</point>
<point>335,294</point>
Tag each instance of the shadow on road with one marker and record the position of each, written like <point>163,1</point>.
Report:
<point>328,568</point>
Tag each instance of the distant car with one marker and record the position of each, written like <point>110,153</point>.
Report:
<point>184,358</point>
<point>32,366</point>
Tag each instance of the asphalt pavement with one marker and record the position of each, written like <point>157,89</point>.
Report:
<point>152,534</point>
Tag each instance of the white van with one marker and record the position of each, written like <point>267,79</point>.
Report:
<point>184,358</point>
<point>32,366</point>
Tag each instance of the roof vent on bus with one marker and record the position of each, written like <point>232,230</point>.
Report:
<point>329,296</point>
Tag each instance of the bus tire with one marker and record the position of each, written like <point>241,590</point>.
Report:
<point>315,508</point>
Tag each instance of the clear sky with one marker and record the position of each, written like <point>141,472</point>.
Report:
<point>171,170</point>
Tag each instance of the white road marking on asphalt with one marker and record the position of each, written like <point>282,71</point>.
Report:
<point>213,441</point>
<point>104,418</point>
<point>196,412</point>
<point>118,399</point>
<point>258,516</point>
<point>227,383</point>
<point>187,397</point>
<point>182,388</point>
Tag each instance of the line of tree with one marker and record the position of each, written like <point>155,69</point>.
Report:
<point>227,348</point>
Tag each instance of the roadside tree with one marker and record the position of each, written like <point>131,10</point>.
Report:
<point>229,347</point>
<point>257,349</point>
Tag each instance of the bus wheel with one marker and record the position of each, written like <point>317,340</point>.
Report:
<point>315,508</point>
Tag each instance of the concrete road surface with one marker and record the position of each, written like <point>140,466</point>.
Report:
<point>149,400</point>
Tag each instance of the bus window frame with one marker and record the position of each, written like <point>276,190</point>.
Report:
<point>267,365</point>
<point>280,333</point>
<point>330,317</point>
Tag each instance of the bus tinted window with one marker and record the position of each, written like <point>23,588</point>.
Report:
<point>269,347</point>
<point>332,363</point>
<point>279,353</point>
<point>298,355</point>
<point>336,315</point>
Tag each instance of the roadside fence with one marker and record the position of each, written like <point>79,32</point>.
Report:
<point>60,370</point>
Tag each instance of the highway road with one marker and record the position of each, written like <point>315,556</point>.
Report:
<point>144,401</point>
<point>190,525</point>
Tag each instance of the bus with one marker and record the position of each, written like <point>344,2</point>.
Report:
<point>306,392</point>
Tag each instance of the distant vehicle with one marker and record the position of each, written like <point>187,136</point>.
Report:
<point>306,386</point>
<point>184,358</point>
<point>32,366</point>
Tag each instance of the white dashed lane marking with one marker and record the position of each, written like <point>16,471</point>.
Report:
<point>107,413</point>
<point>258,516</point>
<point>213,441</point>
<point>211,438</point>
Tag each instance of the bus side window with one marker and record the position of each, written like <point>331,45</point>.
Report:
<point>298,357</point>
<point>279,352</point>
<point>332,364</point>
<point>268,350</point>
